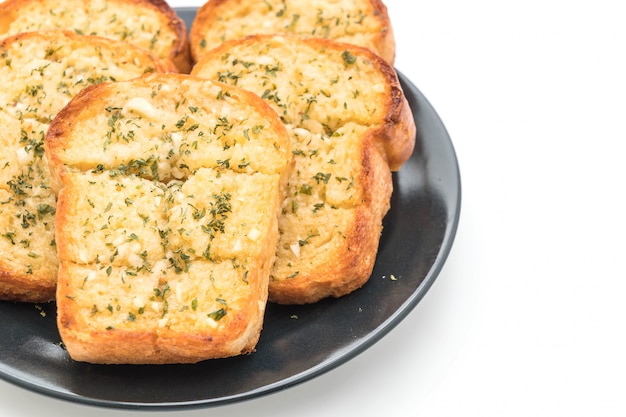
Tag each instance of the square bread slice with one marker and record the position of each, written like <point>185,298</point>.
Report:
<point>362,22</point>
<point>170,187</point>
<point>40,73</point>
<point>150,24</point>
<point>350,126</point>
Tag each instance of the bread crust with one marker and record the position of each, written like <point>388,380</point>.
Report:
<point>332,218</point>
<point>145,289</point>
<point>366,23</point>
<point>95,17</point>
<point>41,71</point>
<point>25,288</point>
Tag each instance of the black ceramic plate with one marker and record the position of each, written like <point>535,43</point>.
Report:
<point>297,342</point>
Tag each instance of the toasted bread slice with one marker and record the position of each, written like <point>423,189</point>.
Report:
<point>40,73</point>
<point>167,218</point>
<point>364,22</point>
<point>151,24</point>
<point>350,126</point>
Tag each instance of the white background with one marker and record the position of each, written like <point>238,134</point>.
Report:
<point>527,317</point>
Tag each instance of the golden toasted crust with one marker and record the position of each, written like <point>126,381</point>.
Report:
<point>350,126</point>
<point>26,288</point>
<point>151,24</point>
<point>365,23</point>
<point>167,218</point>
<point>41,72</point>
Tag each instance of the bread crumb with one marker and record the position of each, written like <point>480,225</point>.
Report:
<point>42,313</point>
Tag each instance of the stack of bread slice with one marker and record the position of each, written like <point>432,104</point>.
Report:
<point>163,211</point>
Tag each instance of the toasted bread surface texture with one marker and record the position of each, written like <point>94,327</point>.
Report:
<point>151,24</point>
<point>362,22</point>
<point>350,126</point>
<point>167,219</point>
<point>40,73</point>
